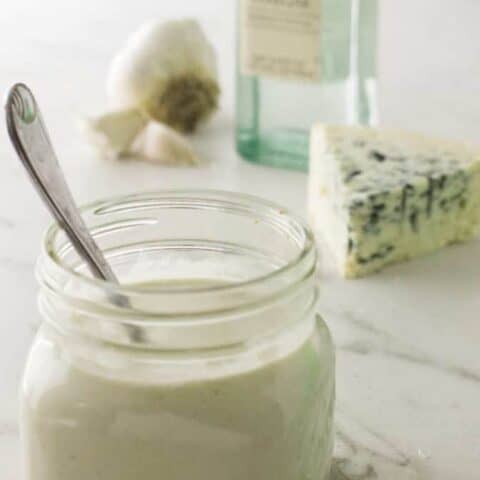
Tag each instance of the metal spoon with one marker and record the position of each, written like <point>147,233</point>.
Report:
<point>31,141</point>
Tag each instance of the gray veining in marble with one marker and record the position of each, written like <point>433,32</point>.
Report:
<point>382,343</point>
<point>408,363</point>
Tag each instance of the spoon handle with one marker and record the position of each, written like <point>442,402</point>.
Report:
<point>31,141</point>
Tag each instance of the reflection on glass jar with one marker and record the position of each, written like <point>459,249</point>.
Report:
<point>230,374</point>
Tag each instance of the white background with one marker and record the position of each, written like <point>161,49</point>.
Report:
<point>418,322</point>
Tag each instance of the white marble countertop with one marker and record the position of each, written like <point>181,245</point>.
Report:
<point>407,339</point>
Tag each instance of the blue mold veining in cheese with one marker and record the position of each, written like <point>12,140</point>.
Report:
<point>383,196</point>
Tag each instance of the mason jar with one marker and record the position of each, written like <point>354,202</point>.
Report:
<point>207,362</point>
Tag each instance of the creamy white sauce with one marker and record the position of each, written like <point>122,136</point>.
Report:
<point>270,420</point>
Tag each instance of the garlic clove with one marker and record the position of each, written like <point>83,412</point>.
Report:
<point>113,133</point>
<point>161,144</point>
<point>169,71</point>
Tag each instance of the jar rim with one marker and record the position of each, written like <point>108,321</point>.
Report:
<point>185,316</point>
<point>227,198</point>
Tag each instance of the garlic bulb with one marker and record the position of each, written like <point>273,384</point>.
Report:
<point>165,78</point>
<point>159,143</point>
<point>168,71</point>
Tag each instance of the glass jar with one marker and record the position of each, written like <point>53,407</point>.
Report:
<point>299,63</point>
<point>213,366</point>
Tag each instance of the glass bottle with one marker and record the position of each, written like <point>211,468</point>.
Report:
<point>233,373</point>
<point>301,62</point>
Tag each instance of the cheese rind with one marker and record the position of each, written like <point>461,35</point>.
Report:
<point>383,196</point>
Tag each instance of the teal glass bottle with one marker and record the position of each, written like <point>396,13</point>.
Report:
<point>301,62</point>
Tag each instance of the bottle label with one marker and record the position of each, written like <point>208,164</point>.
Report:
<point>281,38</point>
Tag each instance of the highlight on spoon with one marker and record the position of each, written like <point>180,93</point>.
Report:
<point>21,101</point>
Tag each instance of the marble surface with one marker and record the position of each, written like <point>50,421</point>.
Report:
<point>408,339</point>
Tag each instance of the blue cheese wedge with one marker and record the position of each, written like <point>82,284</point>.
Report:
<point>382,196</point>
